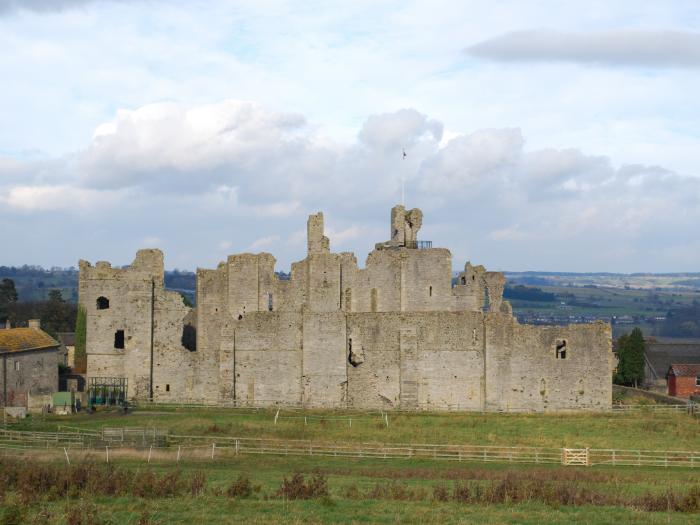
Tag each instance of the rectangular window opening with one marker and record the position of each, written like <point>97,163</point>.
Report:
<point>167,388</point>
<point>697,381</point>
<point>16,366</point>
<point>561,349</point>
<point>269,302</point>
<point>119,339</point>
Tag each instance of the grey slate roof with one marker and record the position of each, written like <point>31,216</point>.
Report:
<point>663,353</point>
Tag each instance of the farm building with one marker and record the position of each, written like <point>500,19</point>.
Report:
<point>29,360</point>
<point>684,380</point>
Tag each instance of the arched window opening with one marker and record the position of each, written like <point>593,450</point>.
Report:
<point>102,303</point>
<point>464,280</point>
<point>189,337</point>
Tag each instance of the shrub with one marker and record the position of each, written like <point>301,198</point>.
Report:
<point>299,488</point>
<point>440,493</point>
<point>197,483</point>
<point>241,488</point>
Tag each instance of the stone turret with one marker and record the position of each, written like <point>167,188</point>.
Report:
<point>405,225</point>
<point>317,241</point>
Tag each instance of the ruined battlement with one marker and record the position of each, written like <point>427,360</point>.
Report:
<point>395,334</point>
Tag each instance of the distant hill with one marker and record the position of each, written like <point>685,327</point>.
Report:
<point>660,304</point>
<point>33,283</point>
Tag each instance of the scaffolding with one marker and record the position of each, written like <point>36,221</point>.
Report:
<point>109,391</point>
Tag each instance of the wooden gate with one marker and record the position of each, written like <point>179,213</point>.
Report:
<point>575,456</point>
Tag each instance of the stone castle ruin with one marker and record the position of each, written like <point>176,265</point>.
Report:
<point>395,334</point>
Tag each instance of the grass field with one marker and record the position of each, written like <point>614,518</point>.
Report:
<point>362,490</point>
<point>594,430</point>
<point>367,491</point>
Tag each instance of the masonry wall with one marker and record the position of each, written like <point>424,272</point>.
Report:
<point>394,334</point>
<point>37,375</point>
<point>523,371</point>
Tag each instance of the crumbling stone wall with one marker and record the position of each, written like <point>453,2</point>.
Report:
<point>396,333</point>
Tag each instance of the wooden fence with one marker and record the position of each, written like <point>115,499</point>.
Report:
<point>181,448</point>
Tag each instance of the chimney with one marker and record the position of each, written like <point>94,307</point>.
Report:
<point>34,323</point>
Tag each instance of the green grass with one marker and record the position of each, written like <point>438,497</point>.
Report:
<point>594,430</point>
<point>646,430</point>
<point>266,508</point>
<point>219,510</point>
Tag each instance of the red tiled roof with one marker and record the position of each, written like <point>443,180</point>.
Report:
<point>21,339</point>
<point>685,370</point>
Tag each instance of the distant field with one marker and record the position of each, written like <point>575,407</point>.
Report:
<point>630,300</point>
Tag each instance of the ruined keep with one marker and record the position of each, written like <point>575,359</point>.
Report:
<point>398,333</point>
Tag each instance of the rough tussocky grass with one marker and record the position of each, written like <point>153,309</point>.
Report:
<point>645,430</point>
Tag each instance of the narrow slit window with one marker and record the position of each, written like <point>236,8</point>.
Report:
<point>373,300</point>
<point>561,349</point>
<point>102,303</point>
<point>119,339</point>
<point>269,302</point>
<point>167,388</point>
<point>430,291</point>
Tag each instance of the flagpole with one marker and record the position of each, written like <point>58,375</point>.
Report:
<point>403,182</point>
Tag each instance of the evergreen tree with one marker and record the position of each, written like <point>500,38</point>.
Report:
<point>8,298</point>
<point>620,371</point>
<point>635,357</point>
<point>630,352</point>
<point>80,334</point>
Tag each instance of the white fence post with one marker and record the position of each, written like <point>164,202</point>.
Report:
<point>66,453</point>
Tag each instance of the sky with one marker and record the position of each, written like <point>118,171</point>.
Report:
<point>540,135</point>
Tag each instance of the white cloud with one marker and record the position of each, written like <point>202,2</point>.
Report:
<point>167,142</point>
<point>627,47</point>
<point>151,242</point>
<point>265,181</point>
<point>264,242</point>
<point>49,6</point>
<point>341,237</point>
<point>57,198</point>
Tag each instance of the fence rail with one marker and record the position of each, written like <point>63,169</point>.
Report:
<point>203,447</point>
